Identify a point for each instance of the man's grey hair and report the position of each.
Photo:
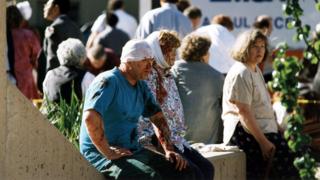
(71, 52)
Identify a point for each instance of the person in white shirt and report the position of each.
(222, 41)
(126, 23)
(248, 118)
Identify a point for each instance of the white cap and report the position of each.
(136, 50)
(25, 9)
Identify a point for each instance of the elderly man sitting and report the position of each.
(113, 104)
(60, 81)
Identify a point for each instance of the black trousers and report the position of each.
(282, 162)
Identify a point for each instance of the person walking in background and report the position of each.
(127, 22)
(26, 48)
(26, 12)
(222, 42)
(200, 89)
(264, 23)
(165, 17)
(248, 117)
(61, 28)
(183, 5)
(194, 14)
(112, 37)
(164, 44)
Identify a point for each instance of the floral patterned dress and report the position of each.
(171, 108)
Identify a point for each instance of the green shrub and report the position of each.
(66, 117)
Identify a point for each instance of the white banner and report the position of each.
(244, 12)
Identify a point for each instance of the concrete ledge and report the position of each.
(228, 165)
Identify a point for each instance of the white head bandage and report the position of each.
(136, 50)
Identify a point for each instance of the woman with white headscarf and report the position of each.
(164, 44)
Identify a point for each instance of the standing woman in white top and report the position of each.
(248, 117)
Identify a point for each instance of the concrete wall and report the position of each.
(30, 147)
(3, 86)
(228, 165)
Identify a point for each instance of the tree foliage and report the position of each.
(285, 82)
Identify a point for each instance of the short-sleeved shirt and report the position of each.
(120, 105)
(246, 86)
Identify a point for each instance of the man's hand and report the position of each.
(117, 152)
(176, 158)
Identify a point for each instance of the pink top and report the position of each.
(26, 50)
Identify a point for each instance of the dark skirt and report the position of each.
(280, 167)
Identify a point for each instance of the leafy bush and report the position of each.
(285, 81)
(66, 117)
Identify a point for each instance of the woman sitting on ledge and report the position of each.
(163, 87)
(249, 120)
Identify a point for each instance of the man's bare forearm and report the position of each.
(162, 131)
(95, 130)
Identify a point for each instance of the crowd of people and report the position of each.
(151, 89)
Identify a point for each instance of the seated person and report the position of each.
(200, 89)
(60, 81)
(113, 104)
(112, 37)
(164, 44)
(249, 120)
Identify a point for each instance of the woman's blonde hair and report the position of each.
(194, 47)
(240, 51)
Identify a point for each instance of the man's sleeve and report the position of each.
(100, 95)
